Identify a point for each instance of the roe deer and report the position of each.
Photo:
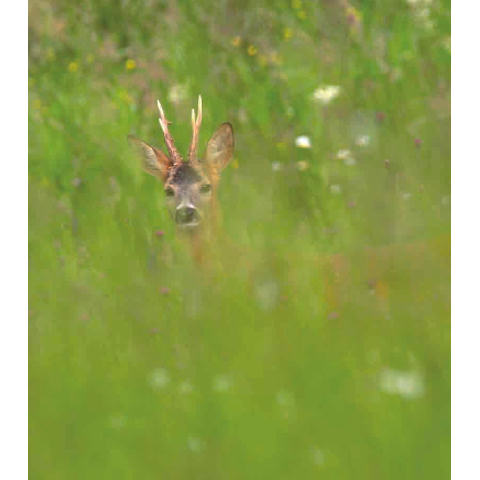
(190, 187)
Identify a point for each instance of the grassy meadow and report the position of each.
(317, 342)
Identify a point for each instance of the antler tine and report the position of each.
(196, 122)
(162, 120)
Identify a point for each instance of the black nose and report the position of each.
(186, 215)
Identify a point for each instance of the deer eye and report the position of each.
(169, 192)
(205, 188)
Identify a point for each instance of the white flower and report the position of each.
(326, 93)
(185, 388)
(222, 383)
(159, 378)
(408, 385)
(276, 166)
(303, 142)
(195, 444)
(346, 156)
(343, 154)
(335, 189)
(362, 140)
(177, 93)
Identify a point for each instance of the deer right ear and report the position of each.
(154, 161)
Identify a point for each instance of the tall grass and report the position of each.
(141, 364)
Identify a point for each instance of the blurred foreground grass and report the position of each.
(143, 366)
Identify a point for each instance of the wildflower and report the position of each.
(262, 60)
(185, 388)
(73, 67)
(234, 163)
(303, 142)
(90, 58)
(276, 166)
(380, 116)
(159, 233)
(76, 182)
(164, 290)
(352, 204)
(335, 189)
(130, 64)
(408, 385)
(275, 58)
(296, 4)
(287, 33)
(326, 93)
(222, 383)
(418, 142)
(236, 41)
(362, 140)
(159, 378)
(177, 93)
(347, 157)
(252, 50)
(302, 14)
(302, 165)
(333, 315)
(195, 444)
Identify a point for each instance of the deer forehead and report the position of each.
(184, 175)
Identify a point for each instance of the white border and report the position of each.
(14, 231)
(465, 240)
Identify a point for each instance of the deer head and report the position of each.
(189, 186)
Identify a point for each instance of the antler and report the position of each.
(196, 122)
(173, 152)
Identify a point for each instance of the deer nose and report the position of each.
(185, 215)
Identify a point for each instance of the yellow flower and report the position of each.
(275, 58)
(262, 60)
(287, 33)
(37, 104)
(296, 4)
(235, 163)
(236, 41)
(73, 67)
(302, 14)
(90, 58)
(130, 64)
(252, 50)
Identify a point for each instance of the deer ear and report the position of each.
(220, 147)
(154, 161)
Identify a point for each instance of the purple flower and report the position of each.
(418, 142)
(159, 233)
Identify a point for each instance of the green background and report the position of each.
(270, 362)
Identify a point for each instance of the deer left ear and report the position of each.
(220, 148)
(154, 161)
